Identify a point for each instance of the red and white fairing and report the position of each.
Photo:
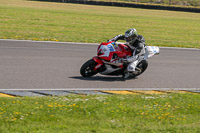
(106, 51)
(111, 52)
(109, 59)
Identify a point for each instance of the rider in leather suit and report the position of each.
(136, 43)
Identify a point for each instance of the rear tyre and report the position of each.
(87, 69)
(142, 66)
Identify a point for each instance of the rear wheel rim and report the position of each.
(89, 70)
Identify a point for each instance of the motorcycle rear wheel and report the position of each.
(87, 69)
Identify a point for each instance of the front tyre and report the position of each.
(142, 66)
(87, 69)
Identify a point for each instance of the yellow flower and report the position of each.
(13, 119)
(50, 106)
(17, 113)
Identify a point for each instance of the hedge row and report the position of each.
(133, 5)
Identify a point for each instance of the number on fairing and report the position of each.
(111, 48)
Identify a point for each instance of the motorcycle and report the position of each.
(109, 60)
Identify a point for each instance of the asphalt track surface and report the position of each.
(51, 65)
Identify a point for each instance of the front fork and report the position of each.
(98, 61)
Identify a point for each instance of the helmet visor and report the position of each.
(131, 38)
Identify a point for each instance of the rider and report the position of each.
(136, 43)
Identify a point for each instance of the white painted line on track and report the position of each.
(80, 43)
(179, 48)
(69, 89)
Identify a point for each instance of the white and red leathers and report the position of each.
(137, 49)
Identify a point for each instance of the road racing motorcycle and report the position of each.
(109, 60)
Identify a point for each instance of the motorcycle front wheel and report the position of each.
(87, 69)
(142, 66)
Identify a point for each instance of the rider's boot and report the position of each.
(130, 71)
(127, 74)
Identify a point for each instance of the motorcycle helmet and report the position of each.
(131, 36)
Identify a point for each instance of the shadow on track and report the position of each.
(102, 78)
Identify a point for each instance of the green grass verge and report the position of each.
(33, 20)
(101, 113)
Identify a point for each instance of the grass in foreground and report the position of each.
(33, 20)
(101, 113)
